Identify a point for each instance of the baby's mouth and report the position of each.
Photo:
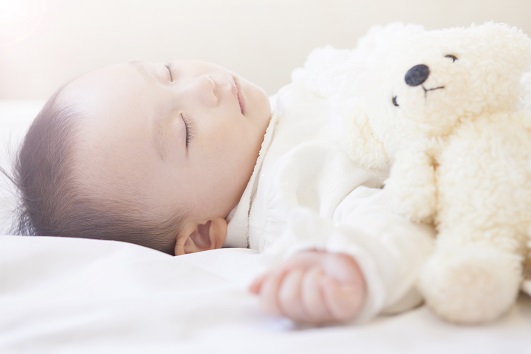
(239, 95)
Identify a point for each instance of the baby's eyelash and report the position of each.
(169, 66)
(188, 128)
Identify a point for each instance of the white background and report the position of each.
(44, 43)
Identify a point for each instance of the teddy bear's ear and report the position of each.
(360, 141)
(328, 70)
(511, 43)
(379, 38)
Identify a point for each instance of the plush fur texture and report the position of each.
(449, 112)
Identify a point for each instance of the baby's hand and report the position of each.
(315, 287)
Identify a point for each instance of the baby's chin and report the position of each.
(257, 103)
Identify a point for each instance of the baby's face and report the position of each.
(184, 137)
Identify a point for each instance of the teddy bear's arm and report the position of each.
(412, 185)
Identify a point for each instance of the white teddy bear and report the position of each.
(447, 111)
(443, 109)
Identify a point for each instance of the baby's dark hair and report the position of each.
(53, 202)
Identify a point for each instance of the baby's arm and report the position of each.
(314, 287)
(386, 250)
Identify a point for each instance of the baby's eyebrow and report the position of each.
(140, 67)
(159, 136)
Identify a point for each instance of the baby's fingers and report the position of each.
(269, 290)
(281, 293)
(312, 297)
(343, 301)
(256, 285)
(290, 296)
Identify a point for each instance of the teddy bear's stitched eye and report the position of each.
(395, 102)
(451, 56)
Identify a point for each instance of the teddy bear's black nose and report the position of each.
(417, 75)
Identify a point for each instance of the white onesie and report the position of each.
(305, 192)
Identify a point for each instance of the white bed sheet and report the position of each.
(62, 295)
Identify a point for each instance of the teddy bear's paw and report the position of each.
(412, 187)
(416, 212)
(417, 207)
(471, 285)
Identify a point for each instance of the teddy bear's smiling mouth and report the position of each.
(431, 89)
(426, 90)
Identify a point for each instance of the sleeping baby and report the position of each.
(188, 156)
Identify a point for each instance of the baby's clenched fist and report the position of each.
(315, 287)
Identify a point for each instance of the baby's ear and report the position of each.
(202, 237)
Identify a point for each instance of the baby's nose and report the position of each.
(210, 81)
(204, 87)
(417, 75)
(205, 82)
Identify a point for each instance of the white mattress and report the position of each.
(65, 295)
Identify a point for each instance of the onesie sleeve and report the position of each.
(388, 248)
